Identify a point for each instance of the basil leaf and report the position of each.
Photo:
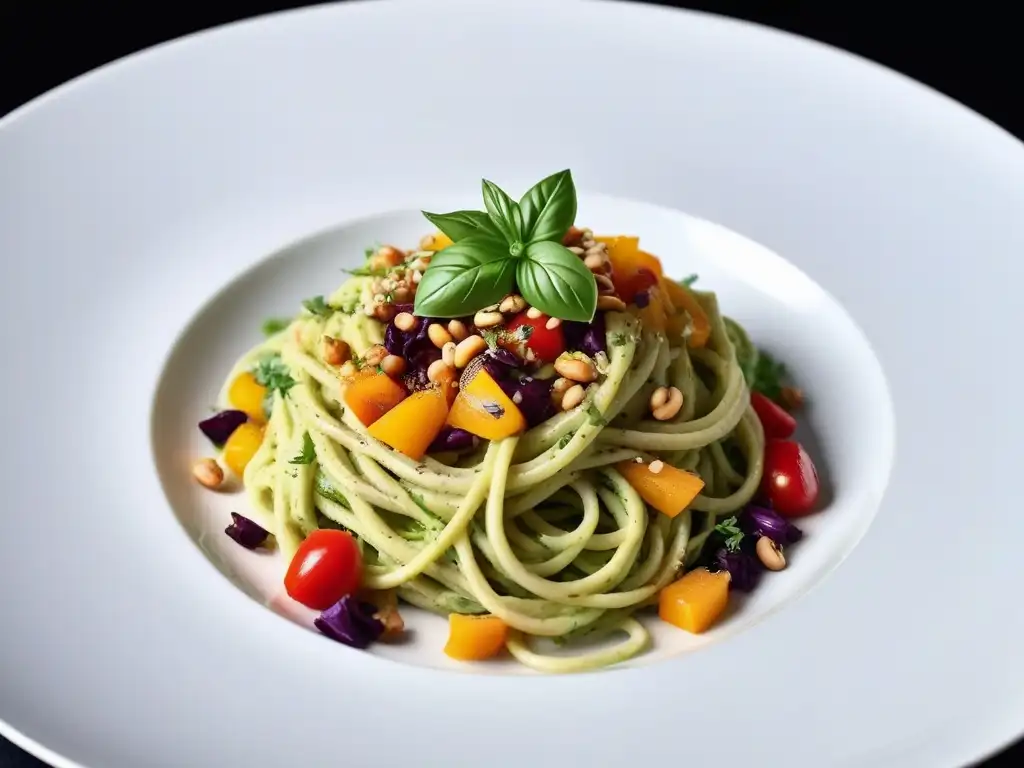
(549, 208)
(465, 277)
(459, 225)
(555, 281)
(504, 212)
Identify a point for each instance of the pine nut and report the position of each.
(458, 330)
(374, 355)
(575, 369)
(336, 351)
(770, 554)
(391, 255)
(384, 312)
(577, 250)
(595, 262)
(573, 397)
(487, 319)
(393, 366)
(559, 388)
(208, 473)
(438, 372)
(534, 314)
(656, 466)
(659, 398)
(552, 323)
(438, 334)
(405, 321)
(402, 294)
(604, 284)
(512, 304)
(467, 349)
(448, 353)
(671, 406)
(348, 370)
(611, 303)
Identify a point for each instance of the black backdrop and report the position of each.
(969, 51)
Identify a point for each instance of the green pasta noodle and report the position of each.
(538, 529)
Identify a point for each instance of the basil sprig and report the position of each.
(511, 244)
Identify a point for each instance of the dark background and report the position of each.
(968, 51)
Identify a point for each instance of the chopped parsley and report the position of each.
(620, 340)
(317, 306)
(595, 416)
(367, 272)
(765, 375)
(491, 337)
(566, 439)
(274, 325)
(733, 535)
(308, 451)
(688, 280)
(272, 373)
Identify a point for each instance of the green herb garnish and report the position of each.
(566, 439)
(733, 535)
(272, 373)
(620, 340)
(317, 306)
(491, 337)
(274, 325)
(765, 375)
(595, 416)
(511, 244)
(308, 451)
(688, 280)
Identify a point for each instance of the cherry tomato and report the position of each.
(790, 480)
(775, 420)
(547, 344)
(326, 567)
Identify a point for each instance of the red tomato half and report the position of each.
(326, 567)
(776, 422)
(547, 344)
(790, 480)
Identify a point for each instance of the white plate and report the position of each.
(131, 198)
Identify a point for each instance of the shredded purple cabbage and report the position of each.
(407, 343)
(220, 426)
(350, 621)
(246, 532)
(531, 396)
(762, 521)
(499, 361)
(744, 568)
(452, 439)
(586, 337)
(415, 346)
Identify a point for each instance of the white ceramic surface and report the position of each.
(129, 198)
